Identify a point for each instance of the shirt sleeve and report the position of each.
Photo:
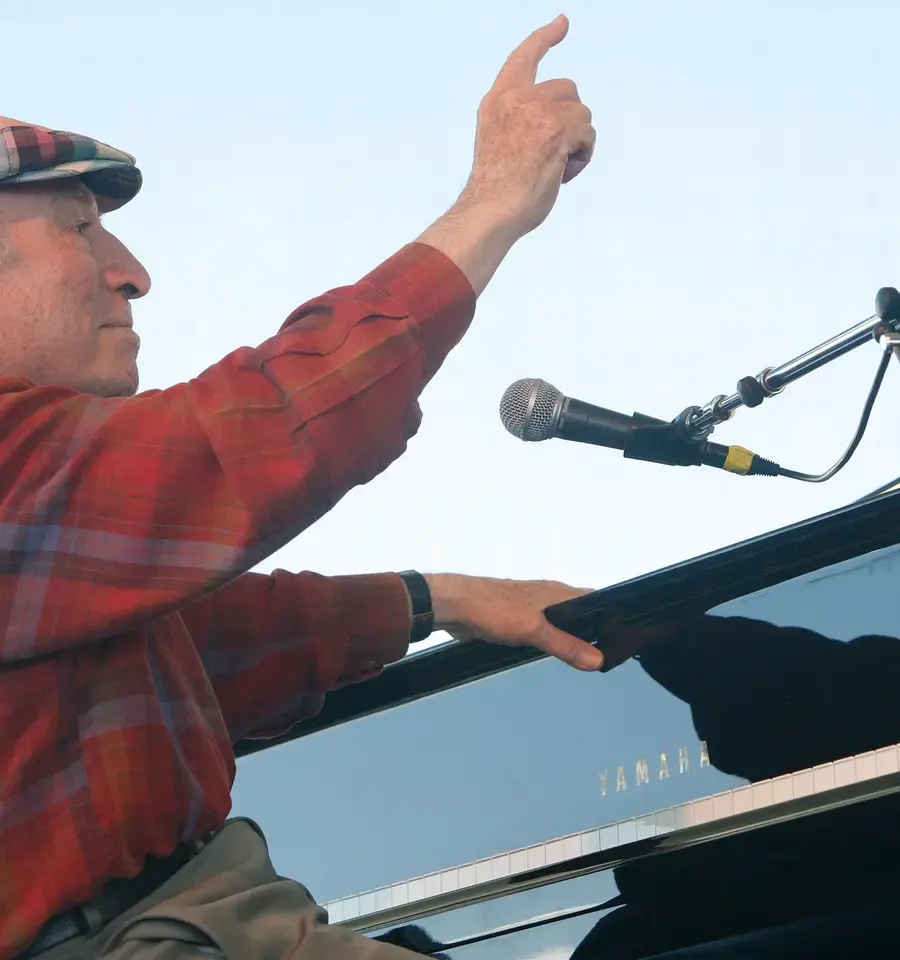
(274, 645)
(115, 512)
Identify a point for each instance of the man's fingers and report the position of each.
(560, 88)
(577, 653)
(522, 64)
(580, 156)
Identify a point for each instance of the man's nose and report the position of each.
(124, 273)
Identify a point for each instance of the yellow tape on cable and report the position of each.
(738, 460)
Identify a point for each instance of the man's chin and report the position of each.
(115, 386)
(128, 389)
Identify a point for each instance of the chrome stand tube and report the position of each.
(699, 422)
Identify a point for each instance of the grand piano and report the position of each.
(731, 782)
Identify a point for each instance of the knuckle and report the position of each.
(559, 89)
(578, 115)
(487, 104)
(569, 88)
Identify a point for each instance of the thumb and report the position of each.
(568, 648)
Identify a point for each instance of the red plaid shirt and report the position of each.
(135, 649)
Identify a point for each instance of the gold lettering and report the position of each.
(642, 769)
(641, 772)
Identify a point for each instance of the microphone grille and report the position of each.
(528, 407)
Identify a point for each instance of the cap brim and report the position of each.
(32, 154)
(112, 183)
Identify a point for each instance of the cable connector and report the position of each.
(761, 467)
(739, 460)
(746, 463)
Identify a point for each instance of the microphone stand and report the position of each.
(684, 441)
(883, 325)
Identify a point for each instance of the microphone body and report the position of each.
(533, 410)
(585, 423)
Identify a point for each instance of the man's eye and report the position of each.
(81, 226)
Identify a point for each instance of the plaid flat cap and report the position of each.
(29, 154)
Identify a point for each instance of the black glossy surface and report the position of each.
(786, 879)
(535, 752)
(691, 587)
(777, 681)
(843, 860)
(822, 886)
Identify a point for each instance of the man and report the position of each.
(136, 649)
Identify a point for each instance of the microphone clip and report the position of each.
(674, 445)
(656, 441)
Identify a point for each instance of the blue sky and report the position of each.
(740, 209)
(742, 206)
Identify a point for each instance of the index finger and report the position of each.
(570, 649)
(522, 64)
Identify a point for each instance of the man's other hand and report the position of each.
(531, 137)
(508, 612)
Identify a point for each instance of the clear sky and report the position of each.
(742, 207)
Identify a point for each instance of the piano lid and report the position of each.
(792, 672)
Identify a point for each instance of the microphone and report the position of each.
(533, 410)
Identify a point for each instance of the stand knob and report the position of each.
(887, 305)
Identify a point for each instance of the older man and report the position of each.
(135, 647)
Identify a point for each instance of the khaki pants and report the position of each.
(227, 902)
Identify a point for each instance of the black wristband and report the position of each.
(420, 599)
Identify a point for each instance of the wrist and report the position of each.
(496, 213)
(448, 592)
(421, 610)
(476, 233)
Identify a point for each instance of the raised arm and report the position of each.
(115, 512)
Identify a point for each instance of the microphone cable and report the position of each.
(857, 437)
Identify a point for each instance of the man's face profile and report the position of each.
(66, 286)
